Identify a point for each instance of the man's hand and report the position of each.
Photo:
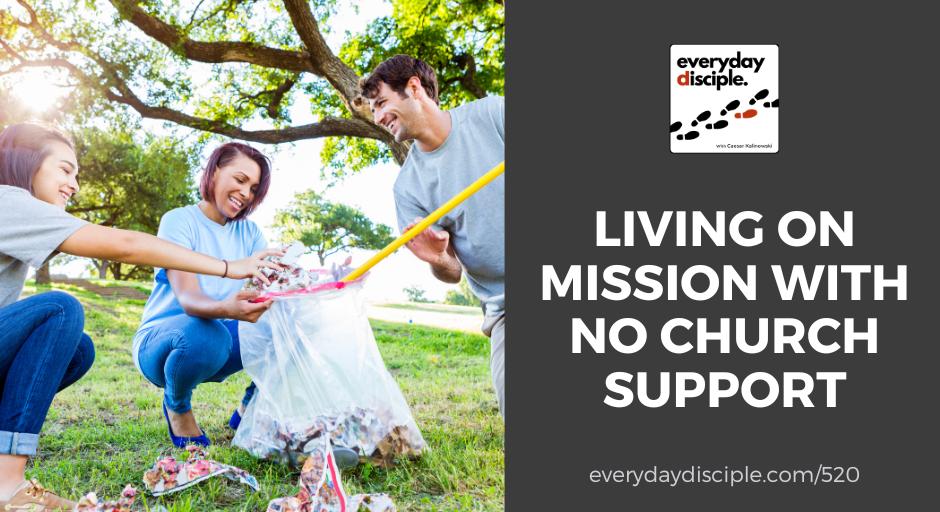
(240, 307)
(429, 246)
(434, 248)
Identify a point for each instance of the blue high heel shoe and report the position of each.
(181, 442)
(235, 420)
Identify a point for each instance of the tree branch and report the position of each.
(335, 71)
(36, 27)
(115, 89)
(41, 63)
(326, 127)
(320, 60)
(195, 11)
(278, 96)
(213, 52)
(468, 80)
(13, 53)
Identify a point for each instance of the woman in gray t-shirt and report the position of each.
(43, 348)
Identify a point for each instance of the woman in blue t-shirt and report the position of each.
(189, 331)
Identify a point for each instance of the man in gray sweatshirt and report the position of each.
(450, 150)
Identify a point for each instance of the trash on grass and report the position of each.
(321, 489)
(169, 475)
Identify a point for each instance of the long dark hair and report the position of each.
(225, 154)
(23, 147)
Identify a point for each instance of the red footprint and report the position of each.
(747, 114)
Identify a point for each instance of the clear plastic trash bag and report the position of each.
(318, 369)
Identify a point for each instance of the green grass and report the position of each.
(141, 286)
(434, 308)
(107, 429)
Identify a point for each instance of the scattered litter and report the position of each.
(168, 475)
(321, 489)
(365, 431)
(91, 503)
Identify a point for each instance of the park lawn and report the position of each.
(107, 429)
(434, 308)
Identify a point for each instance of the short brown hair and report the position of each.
(23, 147)
(225, 154)
(396, 72)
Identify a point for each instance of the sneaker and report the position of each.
(32, 497)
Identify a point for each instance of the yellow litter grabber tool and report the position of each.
(427, 221)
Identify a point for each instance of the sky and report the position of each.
(296, 167)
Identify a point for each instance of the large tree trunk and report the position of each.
(116, 271)
(102, 266)
(43, 274)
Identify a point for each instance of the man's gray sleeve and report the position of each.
(498, 111)
(32, 230)
(407, 209)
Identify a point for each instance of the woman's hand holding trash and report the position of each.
(240, 307)
(252, 265)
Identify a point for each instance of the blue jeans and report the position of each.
(42, 351)
(184, 351)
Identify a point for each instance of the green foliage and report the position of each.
(127, 180)
(129, 184)
(462, 40)
(327, 228)
(453, 37)
(344, 155)
(445, 34)
(415, 294)
(462, 296)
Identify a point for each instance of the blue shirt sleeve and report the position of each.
(258, 243)
(176, 228)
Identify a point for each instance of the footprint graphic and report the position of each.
(761, 94)
(674, 127)
(749, 113)
(731, 106)
(689, 136)
(772, 104)
(701, 117)
(717, 126)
